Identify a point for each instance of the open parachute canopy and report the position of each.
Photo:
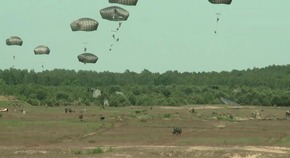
(14, 40)
(87, 58)
(114, 13)
(41, 49)
(220, 1)
(124, 2)
(84, 24)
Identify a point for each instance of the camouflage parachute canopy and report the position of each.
(114, 13)
(41, 49)
(87, 58)
(84, 24)
(14, 40)
(220, 1)
(124, 2)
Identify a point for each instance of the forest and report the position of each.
(268, 86)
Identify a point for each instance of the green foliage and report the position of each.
(167, 115)
(223, 116)
(266, 86)
(78, 152)
(96, 150)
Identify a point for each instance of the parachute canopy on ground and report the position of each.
(84, 24)
(220, 1)
(228, 102)
(87, 58)
(14, 40)
(124, 2)
(41, 49)
(114, 13)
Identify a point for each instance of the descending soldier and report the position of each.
(216, 2)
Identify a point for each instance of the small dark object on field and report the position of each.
(102, 117)
(176, 131)
(192, 110)
(81, 117)
(68, 110)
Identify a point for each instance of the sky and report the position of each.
(159, 35)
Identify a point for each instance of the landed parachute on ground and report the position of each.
(41, 49)
(84, 24)
(124, 2)
(87, 58)
(228, 102)
(114, 13)
(220, 1)
(14, 40)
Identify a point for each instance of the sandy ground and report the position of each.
(143, 151)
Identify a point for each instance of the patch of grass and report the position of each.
(285, 141)
(203, 117)
(141, 111)
(110, 149)
(223, 116)
(96, 150)
(78, 152)
(167, 115)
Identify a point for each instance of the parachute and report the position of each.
(228, 2)
(84, 24)
(14, 40)
(114, 13)
(96, 93)
(228, 102)
(87, 58)
(41, 49)
(124, 2)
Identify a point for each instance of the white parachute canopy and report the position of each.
(228, 102)
(119, 93)
(97, 93)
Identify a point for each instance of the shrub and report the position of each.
(167, 115)
(97, 150)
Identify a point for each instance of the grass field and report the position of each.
(211, 131)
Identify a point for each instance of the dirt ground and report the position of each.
(131, 132)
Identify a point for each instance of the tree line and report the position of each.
(258, 86)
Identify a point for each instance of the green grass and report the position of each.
(96, 150)
(49, 125)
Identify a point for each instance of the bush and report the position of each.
(97, 150)
(167, 115)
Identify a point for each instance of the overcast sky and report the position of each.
(159, 35)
